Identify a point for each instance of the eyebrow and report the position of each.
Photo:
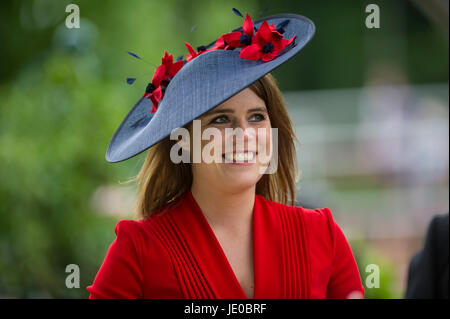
(255, 109)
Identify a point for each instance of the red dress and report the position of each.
(298, 253)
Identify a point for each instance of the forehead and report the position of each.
(245, 99)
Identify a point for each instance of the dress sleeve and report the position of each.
(120, 275)
(345, 280)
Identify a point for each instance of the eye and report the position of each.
(220, 119)
(258, 117)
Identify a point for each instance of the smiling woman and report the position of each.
(224, 228)
(161, 181)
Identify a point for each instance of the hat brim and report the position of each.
(202, 84)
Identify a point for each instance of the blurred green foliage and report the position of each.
(389, 285)
(63, 94)
(53, 133)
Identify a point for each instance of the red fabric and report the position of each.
(298, 253)
(266, 34)
(234, 38)
(192, 54)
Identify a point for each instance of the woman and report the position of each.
(223, 226)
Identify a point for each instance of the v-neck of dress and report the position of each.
(210, 233)
(202, 268)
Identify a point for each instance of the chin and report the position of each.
(241, 180)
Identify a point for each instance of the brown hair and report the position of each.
(161, 182)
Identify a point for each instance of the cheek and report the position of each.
(264, 136)
(213, 145)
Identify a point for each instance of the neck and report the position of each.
(225, 209)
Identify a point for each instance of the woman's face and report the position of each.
(237, 135)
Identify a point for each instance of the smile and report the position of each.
(240, 157)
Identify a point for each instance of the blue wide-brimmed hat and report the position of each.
(182, 91)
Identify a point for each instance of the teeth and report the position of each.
(240, 157)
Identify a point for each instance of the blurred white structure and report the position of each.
(392, 142)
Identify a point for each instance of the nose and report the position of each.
(242, 122)
(242, 128)
(244, 134)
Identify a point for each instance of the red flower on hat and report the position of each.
(156, 96)
(161, 78)
(227, 41)
(266, 44)
(192, 53)
(241, 39)
(220, 44)
(166, 70)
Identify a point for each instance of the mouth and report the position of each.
(245, 157)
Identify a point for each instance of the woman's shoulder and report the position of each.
(131, 230)
(318, 219)
(140, 237)
(313, 214)
(144, 228)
